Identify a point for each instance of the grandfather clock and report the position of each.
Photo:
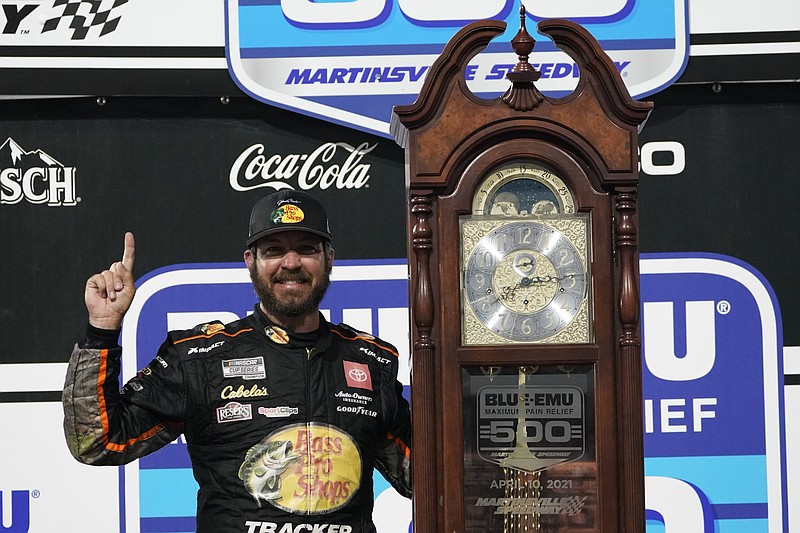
(523, 252)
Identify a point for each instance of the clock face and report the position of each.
(524, 280)
(522, 188)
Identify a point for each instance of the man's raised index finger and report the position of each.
(130, 252)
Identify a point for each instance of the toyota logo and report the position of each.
(358, 375)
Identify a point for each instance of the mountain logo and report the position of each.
(35, 177)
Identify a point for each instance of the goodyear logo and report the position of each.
(369, 55)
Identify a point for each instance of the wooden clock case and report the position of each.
(452, 140)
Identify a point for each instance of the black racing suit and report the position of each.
(283, 429)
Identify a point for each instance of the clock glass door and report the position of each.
(529, 450)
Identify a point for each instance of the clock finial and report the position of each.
(523, 44)
(522, 95)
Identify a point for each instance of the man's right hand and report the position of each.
(109, 294)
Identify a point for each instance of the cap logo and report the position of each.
(287, 214)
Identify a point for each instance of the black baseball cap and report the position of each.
(288, 210)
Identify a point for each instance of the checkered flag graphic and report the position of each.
(84, 15)
(574, 505)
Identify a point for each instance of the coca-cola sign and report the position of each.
(331, 165)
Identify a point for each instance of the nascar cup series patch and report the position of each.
(247, 368)
(351, 61)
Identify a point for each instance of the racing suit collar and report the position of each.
(319, 339)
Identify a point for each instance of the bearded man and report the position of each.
(285, 415)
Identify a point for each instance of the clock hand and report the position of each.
(545, 279)
(509, 291)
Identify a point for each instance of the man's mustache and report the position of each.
(297, 277)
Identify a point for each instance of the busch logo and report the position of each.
(252, 169)
(35, 177)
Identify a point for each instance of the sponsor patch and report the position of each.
(210, 329)
(357, 375)
(229, 393)
(307, 468)
(287, 214)
(234, 412)
(357, 410)
(275, 527)
(204, 349)
(248, 368)
(381, 360)
(365, 335)
(278, 412)
(353, 397)
(277, 335)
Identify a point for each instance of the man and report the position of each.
(285, 415)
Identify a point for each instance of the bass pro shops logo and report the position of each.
(35, 177)
(79, 17)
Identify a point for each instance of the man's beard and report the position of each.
(295, 307)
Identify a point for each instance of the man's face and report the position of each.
(290, 273)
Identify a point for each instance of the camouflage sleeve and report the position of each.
(100, 426)
(393, 461)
